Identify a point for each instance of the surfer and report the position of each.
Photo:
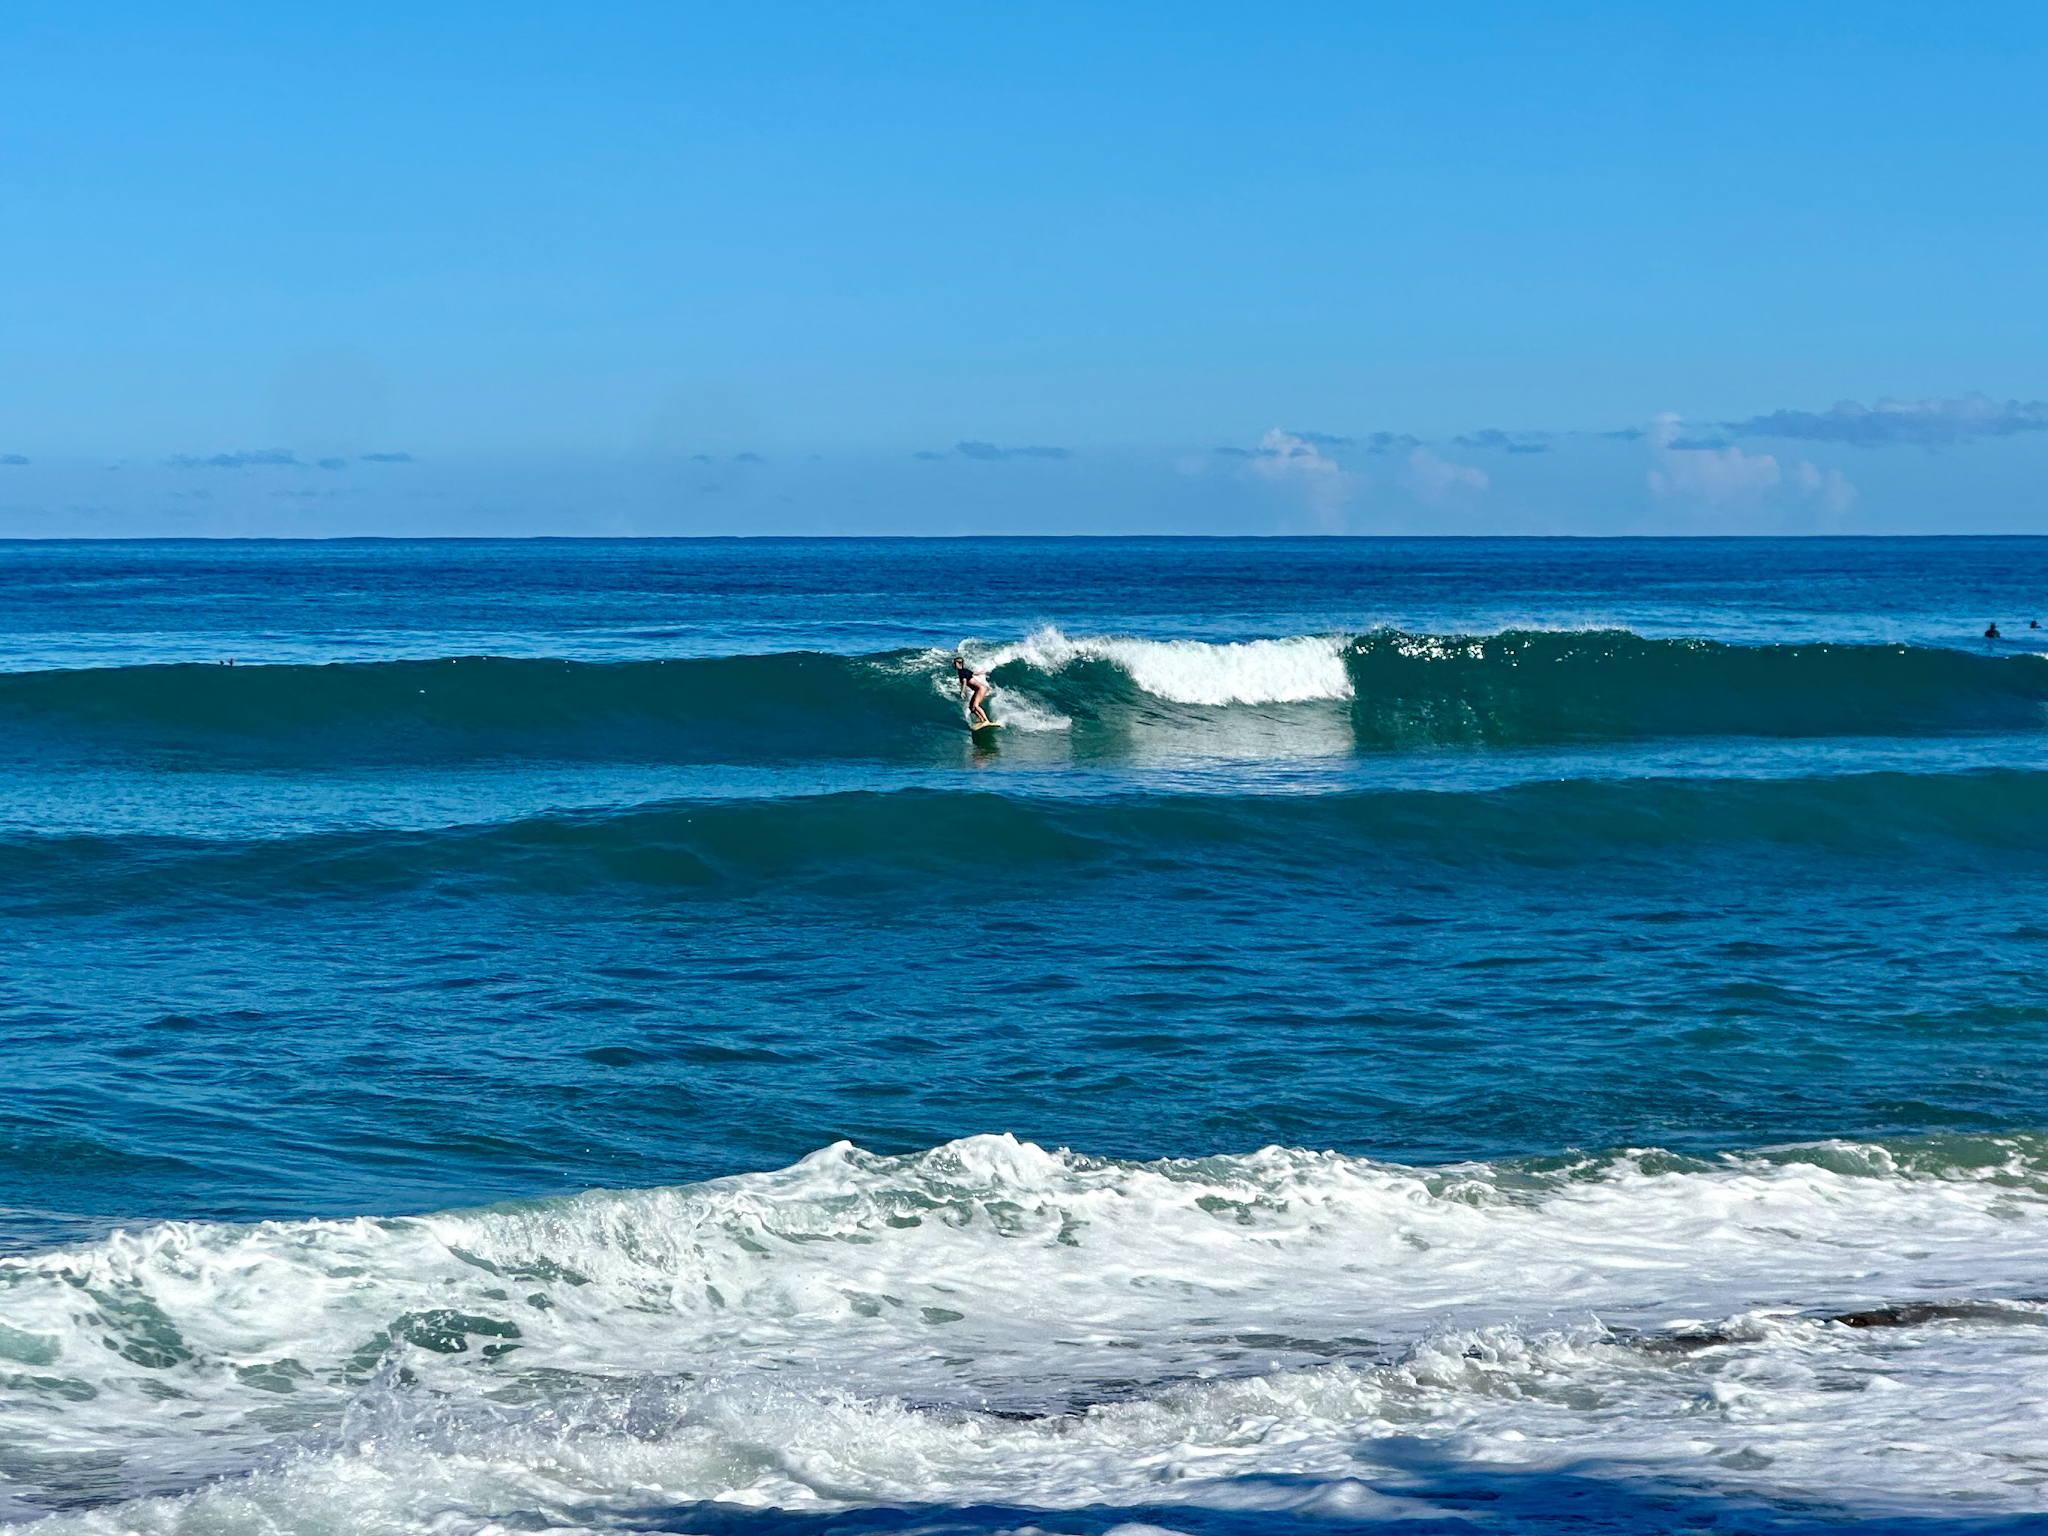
(1991, 633)
(974, 689)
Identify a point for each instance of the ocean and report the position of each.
(1494, 1035)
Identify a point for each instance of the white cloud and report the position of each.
(1830, 487)
(1711, 474)
(1289, 459)
(1441, 483)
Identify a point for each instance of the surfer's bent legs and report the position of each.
(973, 688)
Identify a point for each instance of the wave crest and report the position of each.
(1536, 686)
(1292, 670)
(1379, 691)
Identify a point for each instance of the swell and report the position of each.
(715, 709)
(854, 844)
(1539, 686)
(1394, 690)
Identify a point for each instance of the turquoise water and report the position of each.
(1385, 1018)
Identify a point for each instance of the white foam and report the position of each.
(1005, 706)
(1547, 1423)
(764, 1339)
(1293, 670)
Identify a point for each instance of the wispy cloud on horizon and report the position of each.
(1370, 442)
(254, 457)
(991, 453)
(273, 458)
(1706, 470)
(1926, 423)
(1391, 442)
(1298, 462)
(1507, 442)
(970, 449)
(1715, 472)
(1439, 482)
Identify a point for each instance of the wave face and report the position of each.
(1529, 686)
(1387, 689)
(707, 709)
(1526, 686)
(992, 1325)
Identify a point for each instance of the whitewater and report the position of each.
(1521, 1036)
(991, 1323)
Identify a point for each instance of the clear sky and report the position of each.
(773, 267)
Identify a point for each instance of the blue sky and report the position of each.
(576, 261)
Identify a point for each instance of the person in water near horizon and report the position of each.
(1991, 631)
(974, 689)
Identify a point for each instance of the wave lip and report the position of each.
(1292, 670)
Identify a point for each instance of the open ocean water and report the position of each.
(1496, 1035)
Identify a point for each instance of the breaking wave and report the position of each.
(990, 1325)
(1387, 689)
(1288, 671)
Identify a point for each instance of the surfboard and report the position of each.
(982, 730)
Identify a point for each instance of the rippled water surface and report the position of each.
(1545, 1033)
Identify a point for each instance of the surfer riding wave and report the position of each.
(974, 690)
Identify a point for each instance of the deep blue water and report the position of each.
(507, 870)
(329, 932)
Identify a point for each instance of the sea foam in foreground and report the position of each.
(992, 1326)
